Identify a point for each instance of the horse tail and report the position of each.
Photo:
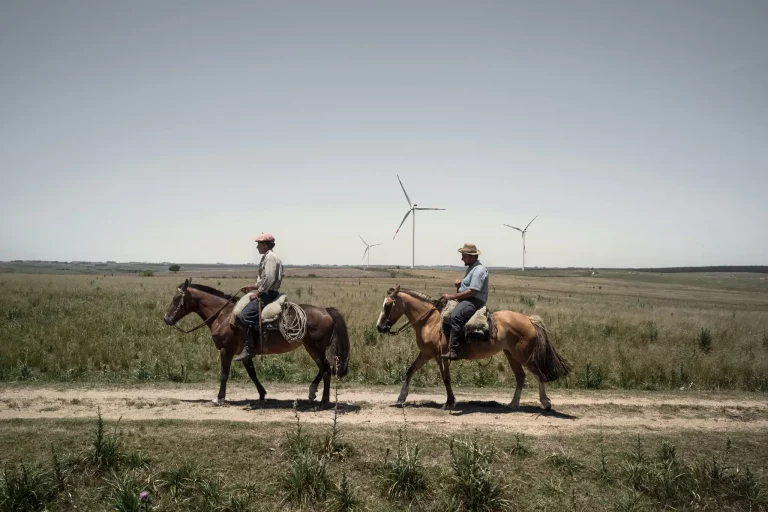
(337, 353)
(544, 361)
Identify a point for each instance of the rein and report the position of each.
(410, 324)
(205, 322)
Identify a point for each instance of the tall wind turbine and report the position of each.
(413, 210)
(367, 250)
(523, 232)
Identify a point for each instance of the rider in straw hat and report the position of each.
(472, 295)
(265, 290)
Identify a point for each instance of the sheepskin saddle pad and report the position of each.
(478, 327)
(269, 315)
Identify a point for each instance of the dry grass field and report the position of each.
(665, 409)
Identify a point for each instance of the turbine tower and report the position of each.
(413, 209)
(367, 250)
(523, 232)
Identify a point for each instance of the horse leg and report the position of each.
(248, 363)
(517, 368)
(543, 398)
(421, 359)
(445, 372)
(315, 383)
(326, 384)
(226, 364)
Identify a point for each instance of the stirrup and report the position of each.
(242, 356)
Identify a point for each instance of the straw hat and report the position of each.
(470, 249)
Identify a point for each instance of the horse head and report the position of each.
(391, 310)
(180, 303)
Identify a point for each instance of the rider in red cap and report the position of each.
(270, 276)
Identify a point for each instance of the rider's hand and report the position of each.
(457, 283)
(245, 289)
(447, 296)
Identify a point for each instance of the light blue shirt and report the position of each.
(476, 279)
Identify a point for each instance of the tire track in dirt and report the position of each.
(574, 413)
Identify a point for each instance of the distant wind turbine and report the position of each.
(367, 251)
(523, 232)
(413, 209)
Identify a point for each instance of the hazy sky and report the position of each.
(177, 131)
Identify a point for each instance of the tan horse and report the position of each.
(326, 341)
(524, 340)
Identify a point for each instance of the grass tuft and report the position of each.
(474, 485)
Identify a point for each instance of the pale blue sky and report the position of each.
(177, 131)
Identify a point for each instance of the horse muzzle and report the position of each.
(383, 328)
(168, 320)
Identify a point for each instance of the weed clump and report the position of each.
(404, 473)
(474, 484)
(704, 340)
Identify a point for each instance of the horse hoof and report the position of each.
(400, 403)
(218, 401)
(263, 398)
(448, 406)
(548, 407)
(326, 405)
(513, 406)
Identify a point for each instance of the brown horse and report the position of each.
(326, 340)
(524, 340)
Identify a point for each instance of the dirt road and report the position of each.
(574, 412)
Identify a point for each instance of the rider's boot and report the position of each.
(248, 350)
(453, 347)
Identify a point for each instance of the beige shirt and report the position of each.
(270, 273)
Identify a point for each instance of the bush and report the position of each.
(174, 268)
(147, 273)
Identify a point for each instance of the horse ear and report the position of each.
(186, 283)
(397, 290)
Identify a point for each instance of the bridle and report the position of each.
(204, 322)
(390, 332)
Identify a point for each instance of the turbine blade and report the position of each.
(429, 208)
(404, 192)
(533, 219)
(364, 253)
(361, 238)
(513, 227)
(374, 245)
(401, 224)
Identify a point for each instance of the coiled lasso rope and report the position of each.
(296, 328)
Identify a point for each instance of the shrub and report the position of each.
(147, 273)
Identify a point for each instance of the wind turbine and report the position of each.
(367, 250)
(523, 232)
(413, 209)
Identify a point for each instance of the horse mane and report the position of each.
(212, 291)
(438, 303)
